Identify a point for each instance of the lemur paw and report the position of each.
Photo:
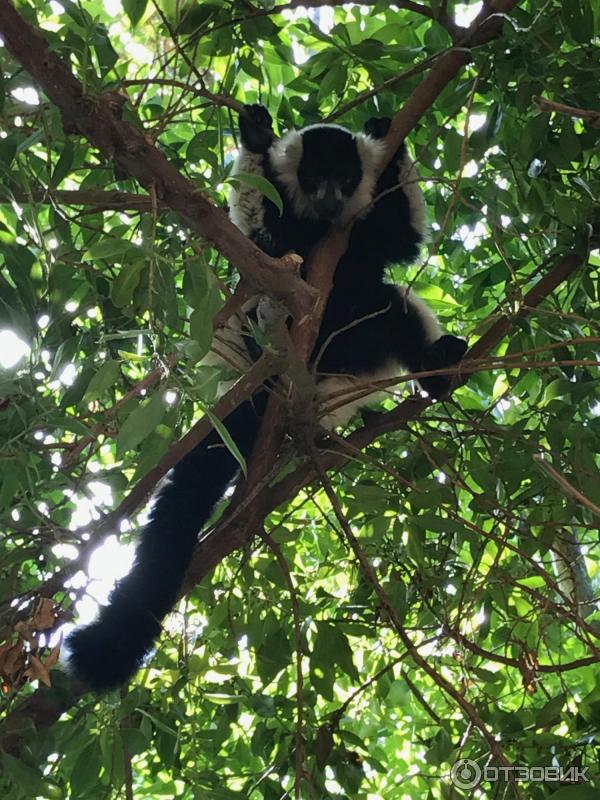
(447, 351)
(377, 127)
(256, 128)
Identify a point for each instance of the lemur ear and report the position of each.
(377, 127)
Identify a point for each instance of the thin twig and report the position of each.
(565, 485)
(590, 115)
(283, 565)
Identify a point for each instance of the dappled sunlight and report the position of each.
(12, 349)
(419, 585)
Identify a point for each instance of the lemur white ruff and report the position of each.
(326, 176)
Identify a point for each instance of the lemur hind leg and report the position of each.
(420, 343)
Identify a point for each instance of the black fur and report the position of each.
(111, 649)
(256, 128)
(385, 236)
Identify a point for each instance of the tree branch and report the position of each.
(567, 487)
(589, 115)
(422, 662)
(96, 198)
(200, 91)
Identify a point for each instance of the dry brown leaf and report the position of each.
(37, 670)
(4, 648)
(44, 616)
(25, 631)
(14, 660)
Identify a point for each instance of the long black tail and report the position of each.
(111, 649)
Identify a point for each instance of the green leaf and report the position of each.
(441, 749)
(332, 648)
(105, 52)
(63, 165)
(334, 80)
(26, 777)
(452, 147)
(227, 439)
(30, 141)
(263, 705)
(550, 713)
(262, 185)
(134, 740)
(273, 654)
(103, 379)
(8, 149)
(141, 422)
(201, 329)
(111, 247)
(85, 770)
(579, 19)
(125, 284)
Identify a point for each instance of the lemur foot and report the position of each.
(256, 128)
(377, 127)
(447, 351)
(370, 415)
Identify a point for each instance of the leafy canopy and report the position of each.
(488, 558)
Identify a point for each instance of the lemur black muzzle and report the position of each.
(330, 205)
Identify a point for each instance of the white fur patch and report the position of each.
(286, 154)
(341, 396)
(428, 318)
(246, 208)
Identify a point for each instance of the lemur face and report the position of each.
(328, 172)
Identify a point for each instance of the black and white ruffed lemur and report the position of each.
(371, 330)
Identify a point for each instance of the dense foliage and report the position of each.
(283, 673)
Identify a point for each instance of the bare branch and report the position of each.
(589, 115)
(199, 91)
(566, 485)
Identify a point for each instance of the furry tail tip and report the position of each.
(104, 656)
